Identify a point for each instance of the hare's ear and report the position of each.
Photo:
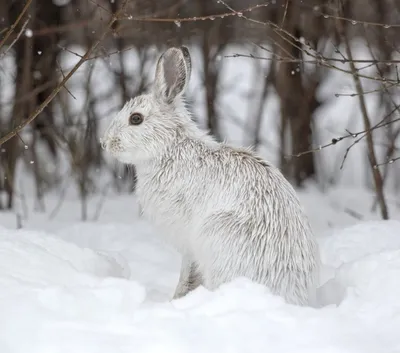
(172, 73)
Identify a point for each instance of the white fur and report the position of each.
(227, 211)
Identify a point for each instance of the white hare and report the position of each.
(227, 211)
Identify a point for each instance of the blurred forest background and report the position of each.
(320, 86)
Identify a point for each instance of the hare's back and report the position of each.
(246, 172)
(228, 177)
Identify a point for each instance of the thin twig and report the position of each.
(62, 73)
(196, 19)
(352, 20)
(319, 61)
(285, 13)
(389, 161)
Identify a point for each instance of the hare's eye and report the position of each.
(136, 119)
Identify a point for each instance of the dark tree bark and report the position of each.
(213, 41)
(45, 52)
(24, 59)
(297, 101)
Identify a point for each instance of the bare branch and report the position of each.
(389, 161)
(15, 39)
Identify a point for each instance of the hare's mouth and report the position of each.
(112, 145)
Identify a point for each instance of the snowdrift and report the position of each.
(106, 288)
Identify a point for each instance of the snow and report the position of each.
(61, 2)
(105, 286)
(28, 33)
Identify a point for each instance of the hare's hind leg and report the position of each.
(189, 279)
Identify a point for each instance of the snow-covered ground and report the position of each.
(104, 286)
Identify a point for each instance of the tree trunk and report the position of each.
(297, 103)
(36, 65)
